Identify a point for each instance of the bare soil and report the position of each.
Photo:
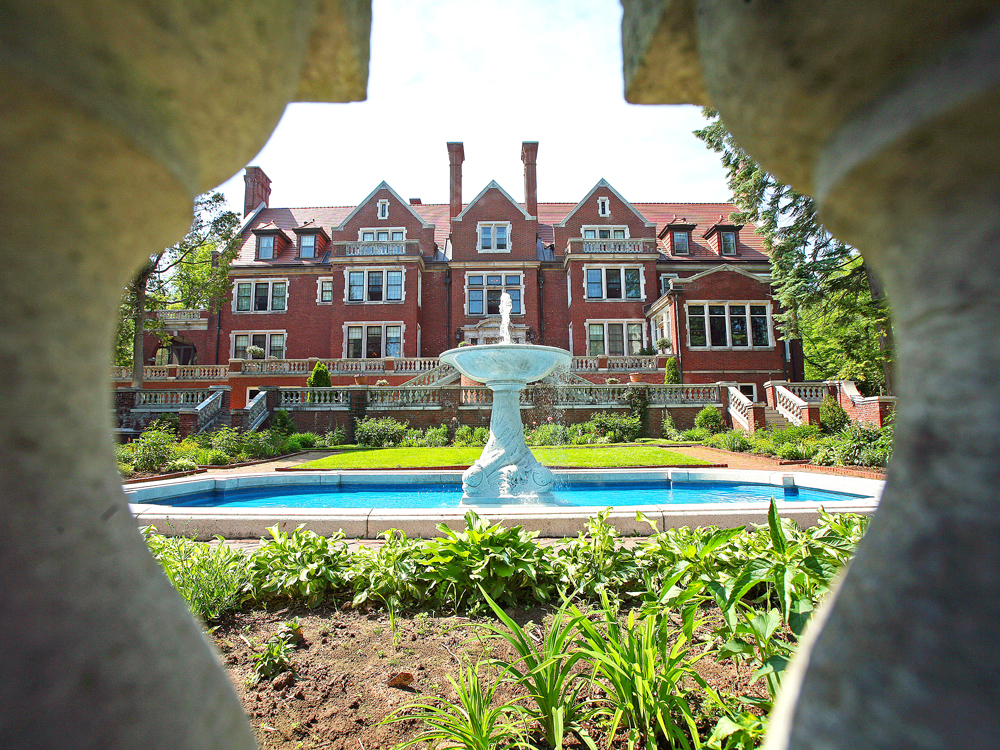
(338, 690)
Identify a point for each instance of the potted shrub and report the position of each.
(635, 377)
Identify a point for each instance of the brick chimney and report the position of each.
(456, 155)
(529, 153)
(257, 191)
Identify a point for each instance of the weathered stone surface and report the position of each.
(115, 115)
(890, 114)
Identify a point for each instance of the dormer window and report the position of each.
(265, 247)
(681, 242)
(494, 237)
(727, 242)
(383, 208)
(603, 207)
(307, 245)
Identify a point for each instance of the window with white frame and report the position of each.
(727, 241)
(383, 208)
(324, 290)
(729, 325)
(272, 343)
(665, 281)
(373, 340)
(494, 237)
(605, 233)
(393, 234)
(483, 292)
(614, 337)
(614, 282)
(603, 207)
(681, 242)
(307, 245)
(374, 285)
(263, 295)
(265, 247)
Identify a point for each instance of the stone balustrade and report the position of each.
(314, 398)
(417, 364)
(404, 398)
(256, 411)
(740, 409)
(395, 247)
(632, 246)
(170, 399)
(180, 316)
(676, 395)
(632, 363)
(809, 391)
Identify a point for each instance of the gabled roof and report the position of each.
(494, 184)
(382, 186)
(724, 267)
(602, 183)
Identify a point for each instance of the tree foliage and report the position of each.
(184, 275)
(827, 294)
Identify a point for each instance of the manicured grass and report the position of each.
(428, 458)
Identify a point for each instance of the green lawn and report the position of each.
(604, 456)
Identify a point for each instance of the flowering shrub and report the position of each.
(384, 432)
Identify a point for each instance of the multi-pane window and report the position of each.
(728, 242)
(265, 247)
(272, 344)
(494, 237)
(614, 282)
(383, 235)
(325, 291)
(261, 296)
(605, 233)
(374, 341)
(307, 245)
(603, 207)
(485, 290)
(682, 244)
(375, 285)
(728, 325)
(614, 338)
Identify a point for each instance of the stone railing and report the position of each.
(789, 405)
(256, 411)
(476, 396)
(683, 395)
(809, 391)
(179, 316)
(316, 398)
(580, 245)
(208, 409)
(430, 377)
(584, 364)
(632, 362)
(585, 395)
(356, 366)
(394, 247)
(740, 408)
(418, 364)
(404, 398)
(202, 372)
(277, 366)
(173, 399)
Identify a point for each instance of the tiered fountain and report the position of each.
(506, 472)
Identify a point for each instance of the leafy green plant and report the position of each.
(614, 428)
(180, 464)
(832, 416)
(645, 669)
(731, 440)
(319, 377)
(274, 659)
(336, 436)
(548, 672)
(755, 639)
(742, 731)
(475, 723)
(153, 448)
(282, 422)
(300, 565)
(212, 580)
(696, 434)
(595, 562)
(506, 563)
(435, 437)
(667, 428)
(390, 574)
(710, 418)
(379, 432)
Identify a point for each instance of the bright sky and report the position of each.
(490, 74)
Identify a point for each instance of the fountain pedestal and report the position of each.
(506, 472)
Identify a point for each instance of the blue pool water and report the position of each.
(391, 496)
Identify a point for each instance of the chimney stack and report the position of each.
(456, 155)
(257, 191)
(529, 153)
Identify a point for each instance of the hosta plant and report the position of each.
(300, 565)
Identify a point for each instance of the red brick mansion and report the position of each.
(378, 290)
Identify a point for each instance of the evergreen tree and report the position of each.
(828, 296)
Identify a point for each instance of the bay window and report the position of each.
(738, 325)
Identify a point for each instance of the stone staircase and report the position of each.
(441, 375)
(773, 418)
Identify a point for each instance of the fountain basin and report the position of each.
(514, 363)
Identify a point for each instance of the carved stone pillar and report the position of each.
(889, 113)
